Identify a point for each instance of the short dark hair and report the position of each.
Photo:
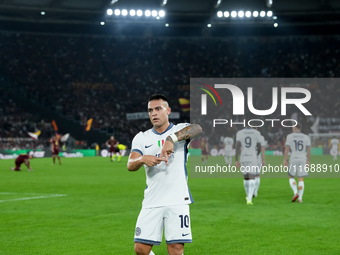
(299, 126)
(157, 97)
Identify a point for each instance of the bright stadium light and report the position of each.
(147, 13)
(109, 12)
(274, 17)
(209, 25)
(43, 13)
(262, 14)
(102, 23)
(167, 24)
(139, 13)
(132, 12)
(226, 14)
(248, 14)
(161, 13)
(241, 14)
(154, 13)
(157, 17)
(117, 12)
(124, 12)
(219, 14)
(276, 24)
(233, 14)
(269, 13)
(255, 14)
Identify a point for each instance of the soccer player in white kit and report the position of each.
(335, 148)
(228, 143)
(248, 144)
(297, 143)
(163, 152)
(261, 161)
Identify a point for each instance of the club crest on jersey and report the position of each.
(160, 143)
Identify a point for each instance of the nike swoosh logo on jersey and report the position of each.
(147, 146)
(185, 234)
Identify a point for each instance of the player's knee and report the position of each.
(294, 183)
(142, 249)
(175, 249)
(300, 187)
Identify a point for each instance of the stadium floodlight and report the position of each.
(117, 12)
(132, 12)
(147, 13)
(167, 24)
(157, 17)
(43, 13)
(154, 13)
(226, 14)
(274, 17)
(164, 2)
(124, 12)
(102, 23)
(276, 24)
(269, 13)
(109, 12)
(219, 14)
(241, 14)
(139, 13)
(248, 14)
(255, 14)
(262, 14)
(161, 13)
(233, 14)
(209, 25)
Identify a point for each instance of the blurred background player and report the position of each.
(112, 143)
(261, 162)
(335, 148)
(248, 144)
(297, 143)
(204, 148)
(23, 158)
(228, 143)
(55, 143)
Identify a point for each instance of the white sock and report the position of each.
(301, 184)
(251, 189)
(246, 186)
(257, 185)
(226, 160)
(293, 186)
(151, 253)
(230, 160)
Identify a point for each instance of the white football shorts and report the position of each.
(174, 219)
(250, 168)
(298, 168)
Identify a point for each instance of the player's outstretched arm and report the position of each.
(263, 153)
(237, 154)
(136, 161)
(285, 156)
(308, 155)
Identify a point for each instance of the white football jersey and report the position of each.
(335, 144)
(248, 137)
(298, 143)
(263, 144)
(228, 141)
(166, 184)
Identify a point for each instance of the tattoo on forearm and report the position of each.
(169, 139)
(189, 132)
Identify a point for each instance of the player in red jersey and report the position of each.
(204, 148)
(22, 158)
(55, 142)
(113, 144)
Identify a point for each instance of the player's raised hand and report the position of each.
(167, 149)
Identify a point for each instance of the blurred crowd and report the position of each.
(104, 78)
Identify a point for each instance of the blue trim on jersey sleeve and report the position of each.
(145, 241)
(185, 168)
(169, 127)
(179, 241)
(138, 151)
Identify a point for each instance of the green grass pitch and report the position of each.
(102, 200)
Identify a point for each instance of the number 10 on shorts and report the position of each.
(184, 221)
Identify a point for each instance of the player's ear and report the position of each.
(168, 110)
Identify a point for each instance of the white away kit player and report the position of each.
(248, 144)
(335, 148)
(228, 143)
(297, 143)
(163, 152)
